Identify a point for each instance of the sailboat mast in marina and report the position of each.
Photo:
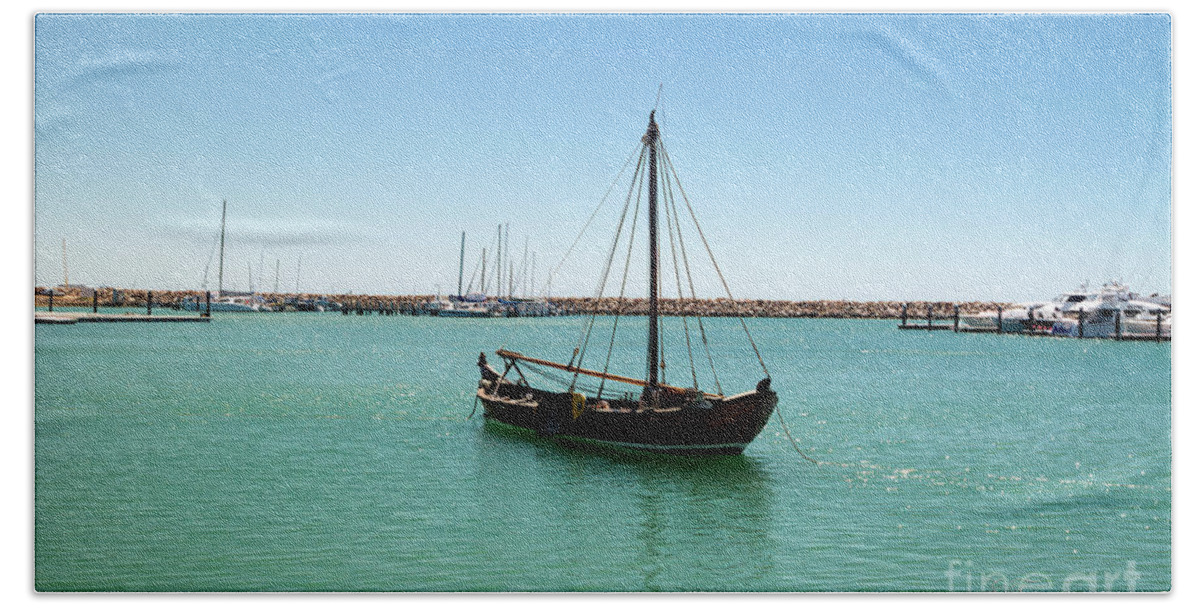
(221, 258)
(223, 302)
(462, 252)
(661, 418)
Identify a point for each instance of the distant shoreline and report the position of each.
(107, 297)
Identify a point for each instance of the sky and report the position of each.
(868, 157)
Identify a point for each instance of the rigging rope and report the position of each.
(582, 347)
(550, 277)
(211, 253)
(474, 272)
(672, 234)
(624, 280)
(728, 292)
(662, 353)
(692, 288)
(713, 258)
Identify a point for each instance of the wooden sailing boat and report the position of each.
(662, 418)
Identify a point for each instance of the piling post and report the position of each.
(999, 319)
(51, 300)
(1117, 325)
(929, 315)
(1080, 324)
(956, 318)
(95, 301)
(149, 301)
(1158, 326)
(207, 303)
(904, 314)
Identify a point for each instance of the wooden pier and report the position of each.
(930, 322)
(71, 318)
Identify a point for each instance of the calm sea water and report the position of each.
(323, 452)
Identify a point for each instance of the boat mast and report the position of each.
(221, 260)
(525, 267)
(462, 250)
(650, 139)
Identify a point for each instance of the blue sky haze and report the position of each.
(898, 156)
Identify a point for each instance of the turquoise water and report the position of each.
(323, 452)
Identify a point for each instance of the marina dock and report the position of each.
(71, 318)
(1028, 327)
(929, 323)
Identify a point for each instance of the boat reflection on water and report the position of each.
(662, 522)
(722, 506)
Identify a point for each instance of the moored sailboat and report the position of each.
(222, 300)
(661, 418)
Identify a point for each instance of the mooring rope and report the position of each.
(474, 407)
(788, 432)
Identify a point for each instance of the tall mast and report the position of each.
(650, 139)
(462, 250)
(525, 268)
(221, 262)
(499, 256)
(483, 274)
(66, 277)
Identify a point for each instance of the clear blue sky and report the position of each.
(829, 156)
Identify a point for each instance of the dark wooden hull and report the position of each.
(678, 425)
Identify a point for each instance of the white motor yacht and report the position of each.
(1114, 308)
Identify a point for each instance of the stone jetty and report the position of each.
(77, 296)
(817, 309)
